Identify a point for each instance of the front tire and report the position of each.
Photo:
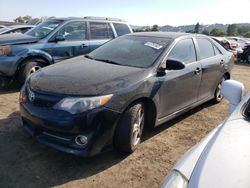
(29, 67)
(129, 129)
(248, 57)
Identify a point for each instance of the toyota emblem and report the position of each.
(31, 96)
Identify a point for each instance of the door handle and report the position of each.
(197, 71)
(83, 45)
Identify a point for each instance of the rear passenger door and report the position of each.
(75, 42)
(179, 88)
(99, 33)
(211, 60)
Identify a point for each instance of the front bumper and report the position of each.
(8, 65)
(58, 129)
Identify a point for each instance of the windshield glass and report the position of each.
(4, 29)
(136, 51)
(44, 29)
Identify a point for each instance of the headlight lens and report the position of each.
(4, 50)
(76, 105)
(175, 180)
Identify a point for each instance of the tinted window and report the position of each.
(74, 31)
(183, 51)
(121, 29)
(206, 48)
(136, 51)
(100, 30)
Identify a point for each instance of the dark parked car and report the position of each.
(16, 29)
(54, 40)
(245, 56)
(86, 105)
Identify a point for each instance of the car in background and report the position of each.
(16, 29)
(245, 56)
(242, 42)
(92, 103)
(229, 45)
(222, 158)
(52, 41)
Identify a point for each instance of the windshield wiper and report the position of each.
(108, 61)
(87, 56)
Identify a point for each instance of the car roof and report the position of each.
(172, 35)
(88, 18)
(20, 26)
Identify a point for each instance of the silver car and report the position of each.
(222, 158)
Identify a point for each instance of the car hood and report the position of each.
(225, 161)
(82, 76)
(16, 38)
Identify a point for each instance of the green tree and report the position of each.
(190, 31)
(23, 19)
(197, 28)
(155, 28)
(232, 30)
(247, 34)
(218, 32)
(205, 32)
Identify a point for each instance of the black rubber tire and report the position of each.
(247, 56)
(217, 99)
(25, 69)
(123, 138)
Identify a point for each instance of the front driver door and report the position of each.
(75, 42)
(179, 88)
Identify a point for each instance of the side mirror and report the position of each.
(172, 64)
(59, 38)
(233, 91)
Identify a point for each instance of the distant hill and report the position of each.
(185, 28)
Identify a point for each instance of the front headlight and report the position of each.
(175, 180)
(76, 105)
(4, 50)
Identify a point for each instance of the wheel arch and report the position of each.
(43, 59)
(151, 110)
(227, 75)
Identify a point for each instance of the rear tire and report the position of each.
(217, 94)
(29, 67)
(129, 129)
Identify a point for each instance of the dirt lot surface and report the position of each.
(26, 163)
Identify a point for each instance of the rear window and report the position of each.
(100, 30)
(206, 48)
(121, 29)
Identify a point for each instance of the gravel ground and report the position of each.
(26, 163)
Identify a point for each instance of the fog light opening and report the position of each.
(81, 140)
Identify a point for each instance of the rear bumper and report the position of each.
(59, 130)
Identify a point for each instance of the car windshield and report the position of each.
(136, 51)
(4, 29)
(44, 29)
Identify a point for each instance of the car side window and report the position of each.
(216, 50)
(74, 31)
(183, 51)
(121, 29)
(206, 48)
(99, 30)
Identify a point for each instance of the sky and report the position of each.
(136, 12)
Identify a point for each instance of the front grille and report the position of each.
(41, 99)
